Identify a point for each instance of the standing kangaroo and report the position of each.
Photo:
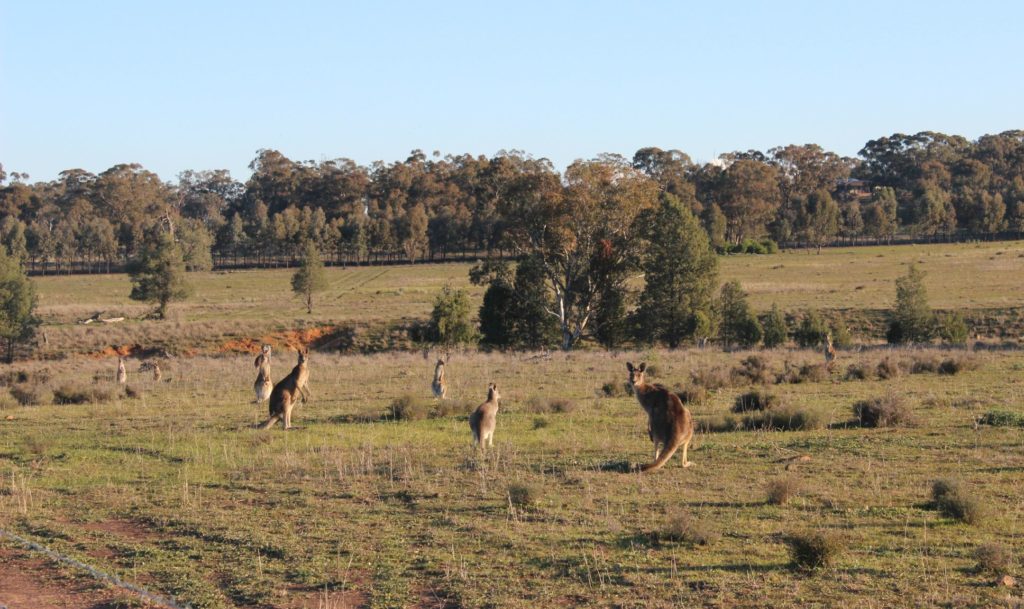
(287, 392)
(440, 385)
(263, 384)
(122, 372)
(485, 418)
(830, 353)
(669, 423)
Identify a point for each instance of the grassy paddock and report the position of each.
(176, 491)
(233, 306)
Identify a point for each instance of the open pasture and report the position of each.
(232, 306)
(175, 491)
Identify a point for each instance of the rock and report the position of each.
(1006, 581)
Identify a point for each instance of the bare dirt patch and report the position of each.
(28, 582)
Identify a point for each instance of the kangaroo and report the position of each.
(287, 392)
(155, 368)
(440, 384)
(669, 423)
(263, 384)
(485, 418)
(830, 353)
(122, 372)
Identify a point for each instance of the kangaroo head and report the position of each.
(266, 350)
(303, 356)
(492, 393)
(636, 373)
(440, 364)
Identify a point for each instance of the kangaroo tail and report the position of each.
(663, 458)
(270, 422)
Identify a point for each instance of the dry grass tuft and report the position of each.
(31, 394)
(753, 370)
(888, 369)
(954, 500)
(755, 401)
(995, 559)
(408, 408)
(523, 495)
(711, 379)
(784, 419)
(813, 550)
(684, 528)
(887, 411)
(70, 393)
(781, 490)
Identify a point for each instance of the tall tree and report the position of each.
(158, 273)
(17, 304)
(912, 319)
(568, 228)
(681, 273)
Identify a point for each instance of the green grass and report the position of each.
(176, 491)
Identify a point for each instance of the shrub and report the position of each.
(811, 331)
(755, 400)
(804, 373)
(955, 501)
(923, 364)
(711, 379)
(953, 329)
(561, 405)
(781, 490)
(783, 419)
(814, 549)
(857, 371)
(995, 559)
(73, 394)
(753, 369)
(887, 411)
(540, 423)
(450, 408)
(718, 424)
(1002, 418)
(912, 320)
(408, 408)
(953, 365)
(31, 394)
(683, 527)
(614, 389)
(132, 393)
(841, 337)
(692, 395)
(775, 330)
(523, 496)
(887, 369)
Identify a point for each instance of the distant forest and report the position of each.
(433, 207)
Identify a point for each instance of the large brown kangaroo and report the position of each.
(287, 392)
(485, 418)
(669, 423)
(830, 353)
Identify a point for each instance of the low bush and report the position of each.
(718, 424)
(924, 364)
(783, 419)
(523, 496)
(857, 371)
(888, 369)
(75, 394)
(692, 395)
(781, 490)
(614, 389)
(541, 405)
(887, 411)
(804, 373)
(755, 401)
(31, 394)
(1002, 418)
(754, 369)
(954, 500)
(408, 408)
(684, 528)
(814, 550)
(995, 559)
(450, 408)
(953, 328)
(132, 393)
(540, 423)
(955, 365)
(711, 379)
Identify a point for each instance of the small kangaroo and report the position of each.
(155, 368)
(485, 418)
(830, 353)
(263, 384)
(286, 393)
(669, 423)
(122, 372)
(440, 386)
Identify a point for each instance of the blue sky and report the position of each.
(203, 85)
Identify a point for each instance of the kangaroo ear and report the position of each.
(629, 366)
(643, 366)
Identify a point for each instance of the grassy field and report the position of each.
(233, 306)
(175, 491)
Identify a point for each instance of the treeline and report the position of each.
(431, 207)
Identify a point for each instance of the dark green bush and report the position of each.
(887, 411)
(814, 550)
(755, 401)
